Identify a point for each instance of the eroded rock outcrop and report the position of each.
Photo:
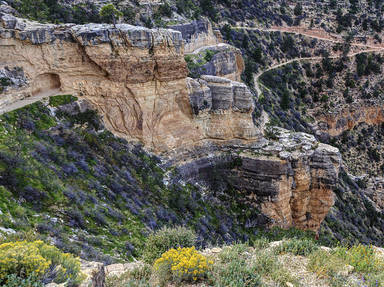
(222, 108)
(136, 77)
(334, 124)
(290, 178)
(226, 61)
(198, 34)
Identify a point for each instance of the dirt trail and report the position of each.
(257, 76)
(314, 33)
(30, 100)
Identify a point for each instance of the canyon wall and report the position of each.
(137, 79)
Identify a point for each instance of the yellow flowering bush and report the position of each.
(22, 258)
(184, 264)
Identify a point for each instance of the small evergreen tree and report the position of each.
(110, 13)
(298, 9)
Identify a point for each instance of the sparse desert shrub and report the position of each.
(15, 281)
(260, 243)
(137, 277)
(325, 264)
(165, 239)
(182, 264)
(333, 264)
(361, 257)
(297, 247)
(25, 259)
(60, 100)
(268, 266)
(232, 269)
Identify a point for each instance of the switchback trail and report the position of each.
(324, 36)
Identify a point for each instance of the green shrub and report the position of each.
(209, 55)
(232, 269)
(236, 273)
(325, 264)
(268, 266)
(137, 277)
(110, 13)
(15, 281)
(260, 243)
(296, 247)
(165, 239)
(60, 100)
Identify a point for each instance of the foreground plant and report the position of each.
(182, 264)
(41, 261)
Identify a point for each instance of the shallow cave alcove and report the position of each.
(45, 83)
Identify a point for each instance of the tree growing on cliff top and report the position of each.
(110, 13)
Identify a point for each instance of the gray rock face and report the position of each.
(87, 35)
(200, 96)
(215, 93)
(12, 78)
(95, 34)
(226, 62)
(191, 30)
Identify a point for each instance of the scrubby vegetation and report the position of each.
(165, 239)
(34, 263)
(182, 264)
(261, 264)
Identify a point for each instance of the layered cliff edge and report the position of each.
(137, 80)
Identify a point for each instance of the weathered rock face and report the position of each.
(223, 108)
(290, 179)
(336, 124)
(136, 77)
(198, 34)
(226, 62)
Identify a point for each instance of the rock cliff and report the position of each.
(137, 79)
(290, 177)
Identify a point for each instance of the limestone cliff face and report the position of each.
(222, 108)
(137, 79)
(226, 62)
(290, 178)
(198, 34)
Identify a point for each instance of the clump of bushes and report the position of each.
(165, 239)
(23, 261)
(297, 247)
(232, 268)
(334, 264)
(60, 100)
(14, 281)
(361, 257)
(182, 264)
